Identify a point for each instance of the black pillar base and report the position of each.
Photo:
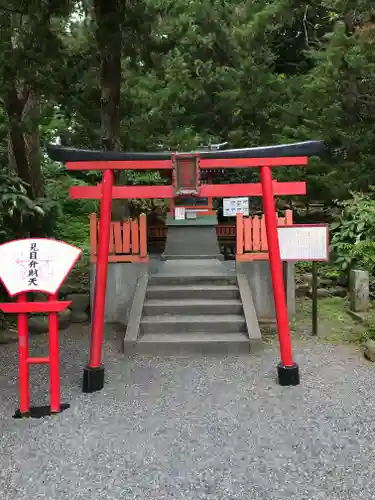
(288, 375)
(93, 379)
(40, 411)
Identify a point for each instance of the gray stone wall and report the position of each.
(259, 277)
(121, 282)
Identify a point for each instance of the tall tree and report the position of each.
(30, 50)
(108, 15)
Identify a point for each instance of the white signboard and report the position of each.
(191, 214)
(303, 242)
(179, 213)
(232, 206)
(36, 264)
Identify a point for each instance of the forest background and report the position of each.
(158, 74)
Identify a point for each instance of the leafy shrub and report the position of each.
(353, 240)
(57, 184)
(18, 213)
(74, 229)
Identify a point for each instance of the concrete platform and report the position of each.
(192, 242)
(193, 306)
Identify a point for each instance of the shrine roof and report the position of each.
(307, 148)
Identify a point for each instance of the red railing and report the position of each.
(252, 237)
(128, 240)
(157, 232)
(226, 230)
(222, 231)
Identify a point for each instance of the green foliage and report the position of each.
(74, 230)
(369, 334)
(58, 182)
(353, 240)
(17, 210)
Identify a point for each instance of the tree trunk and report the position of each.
(108, 36)
(14, 107)
(23, 144)
(31, 120)
(12, 165)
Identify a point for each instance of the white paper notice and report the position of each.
(36, 264)
(179, 213)
(232, 206)
(303, 243)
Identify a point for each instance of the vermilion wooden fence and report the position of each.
(128, 240)
(252, 237)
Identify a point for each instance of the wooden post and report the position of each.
(142, 236)
(93, 237)
(134, 230)
(239, 228)
(314, 296)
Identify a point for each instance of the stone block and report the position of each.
(80, 302)
(38, 325)
(307, 278)
(338, 291)
(39, 297)
(322, 293)
(370, 350)
(8, 337)
(359, 290)
(65, 318)
(302, 290)
(80, 317)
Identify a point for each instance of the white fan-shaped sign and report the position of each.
(36, 264)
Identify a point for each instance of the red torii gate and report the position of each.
(186, 181)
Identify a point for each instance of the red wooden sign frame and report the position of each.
(22, 308)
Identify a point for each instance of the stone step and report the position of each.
(192, 306)
(198, 342)
(192, 291)
(193, 257)
(201, 279)
(193, 323)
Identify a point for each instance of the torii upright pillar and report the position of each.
(93, 373)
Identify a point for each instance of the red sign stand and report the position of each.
(41, 279)
(22, 307)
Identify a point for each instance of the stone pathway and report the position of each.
(216, 428)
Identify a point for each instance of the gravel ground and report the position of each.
(216, 428)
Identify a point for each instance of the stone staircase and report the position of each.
(192, 306)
